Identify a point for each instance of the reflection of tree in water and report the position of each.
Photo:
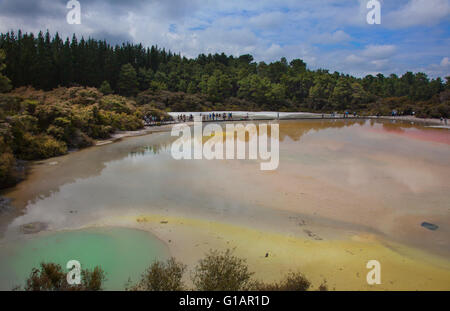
(150, 149)
(400, 126)
(81, 165)
(295, 130)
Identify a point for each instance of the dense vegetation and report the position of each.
(51, 277)
(37, 125)
(218, 271)
(212, 81)
(65, 93)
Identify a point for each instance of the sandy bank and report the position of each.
(342, 262)
(123, 134)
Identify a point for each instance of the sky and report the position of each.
(414, 35)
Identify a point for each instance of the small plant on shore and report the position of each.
(217, 271)
(51, 277)
(221, 271)
(161, 276)
(293, 282)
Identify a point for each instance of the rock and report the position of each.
(429, 226)
(5, 205)
(312, 235)
(33, 227)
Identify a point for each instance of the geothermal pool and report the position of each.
(125, 252)
(345, 192)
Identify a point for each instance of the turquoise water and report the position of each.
(122, 253)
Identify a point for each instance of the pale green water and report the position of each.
(122, 253)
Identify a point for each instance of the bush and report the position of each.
(7, 164)
(78, 139)
(443, 110)
(51, 277)
(115, 103)
(92, 280)
(48, 113)
(293, 282)
(86, 96)
(23, 123)
(29, 106)
(218, 271)
(221, 271)
(56, 132)
(10, 104)
(162, 276)
(36, 147)
(121, 121)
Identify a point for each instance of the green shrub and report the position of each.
(42, 146)
(120, 121)
(218, 271)
(24, 123)
(51, 277)
(86, 96)
(115, 103)
(221, 271)
(443, 110)
(162, 276)
(92, 280)
(48, 113)
(7, 164)
(100, 131)
(9, 104)
(56, 132)
(78, 139)
(293, 282)
(29, 106)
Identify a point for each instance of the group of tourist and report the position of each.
(184, 118)
(217, 116)
(206, 117)
(150, 119)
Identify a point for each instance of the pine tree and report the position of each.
(128, 83)
(5, 83)
(105, 88)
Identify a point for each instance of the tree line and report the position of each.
(214, 80)
(217, 271)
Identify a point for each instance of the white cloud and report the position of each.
(377, 52)
(267, 20)
(338, 36)
(330, 34)
(419, 12)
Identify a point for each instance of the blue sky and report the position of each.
(414, 35)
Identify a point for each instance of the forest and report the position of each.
(176, 83)
(60, 94)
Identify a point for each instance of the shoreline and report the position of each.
(189, 239)
(117, 136)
